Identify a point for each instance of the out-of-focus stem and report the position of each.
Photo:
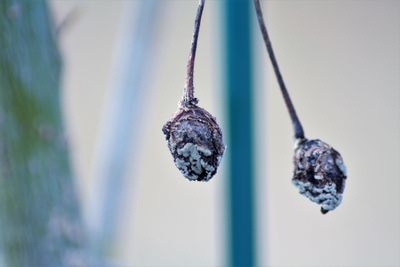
(129, 94)
(298, 128)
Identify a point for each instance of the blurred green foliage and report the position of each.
(39, 214)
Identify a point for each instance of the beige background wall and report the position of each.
(341, 61)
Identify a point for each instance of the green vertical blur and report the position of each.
(40, 221)
(239, 90)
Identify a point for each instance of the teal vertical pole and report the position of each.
(238, 66)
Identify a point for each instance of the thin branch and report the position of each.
(188, 97)
(70, 18)
(298, 128)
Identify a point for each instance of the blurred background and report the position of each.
(124, 66)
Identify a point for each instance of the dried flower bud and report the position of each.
(195, 141)
(319, 173)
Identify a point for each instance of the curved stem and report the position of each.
(188, 97)
(298, 128)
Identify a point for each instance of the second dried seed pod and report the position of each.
(319, 173)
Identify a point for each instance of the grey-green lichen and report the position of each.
(194, 153)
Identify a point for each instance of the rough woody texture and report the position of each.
(195, 141)
(39, 216)
(319, 173)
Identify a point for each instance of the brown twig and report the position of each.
(298, 128)
(188, 97)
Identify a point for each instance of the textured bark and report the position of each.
(39, 215)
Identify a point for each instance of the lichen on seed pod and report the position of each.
(195, 142)
(319, 173)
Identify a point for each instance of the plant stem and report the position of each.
(298, 128)
(188, 98)
(240, 129)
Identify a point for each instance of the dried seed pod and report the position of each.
(195, 141)
(319, 173)
(193, 135)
